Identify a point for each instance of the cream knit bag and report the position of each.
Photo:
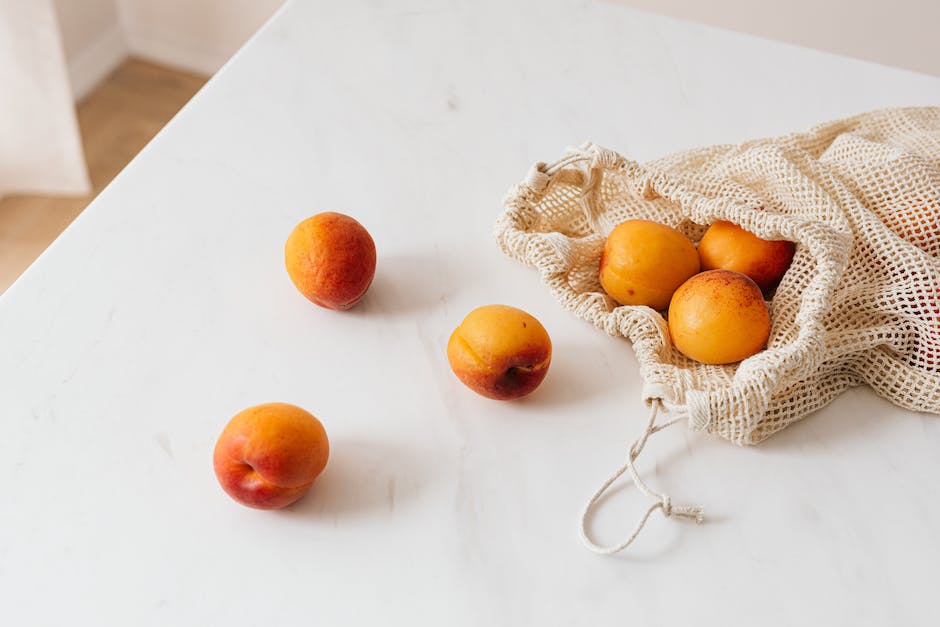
(860, 303)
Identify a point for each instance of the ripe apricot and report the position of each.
(927, 341)
(919, 225)
(719, 317)
(268, 455)
(644, 262)
(500, 352)
(726, 246)
(330, 257)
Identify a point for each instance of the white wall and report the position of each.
(903, 33)
(200, 35)
(195, 35)
(93, 41)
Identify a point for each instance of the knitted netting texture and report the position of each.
(860, 303)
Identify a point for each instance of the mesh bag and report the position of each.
(860, 303)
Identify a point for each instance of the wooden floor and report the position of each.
(116, 120)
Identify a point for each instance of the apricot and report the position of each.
(644, 262)
(719, 317)
(919, 225)
(726, 246)
(330, 257)
(927, 341)
(500, 352)
(269, 455)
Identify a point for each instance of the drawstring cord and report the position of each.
(661, 501)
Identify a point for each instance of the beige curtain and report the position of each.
(40, 147)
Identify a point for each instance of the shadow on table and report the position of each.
(856, 414)
(577, 372)
(364, 478)
(405, 285)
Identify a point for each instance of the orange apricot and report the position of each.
(719, 317)
(330, 257)
(500, 352)
(726, 246)
(644, 262)
(269, 455)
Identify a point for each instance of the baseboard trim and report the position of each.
(94, 62)
(172, 52)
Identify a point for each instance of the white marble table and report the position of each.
(165, 309)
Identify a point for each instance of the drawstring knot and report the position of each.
(661, 502)
(666, 506)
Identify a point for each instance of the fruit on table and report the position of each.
(500, 352)
(719, 317)
(268, 455)
(644, 262)
(330, 257)
(726, 246)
